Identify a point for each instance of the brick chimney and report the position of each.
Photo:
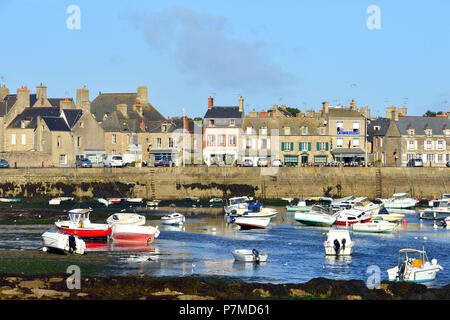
(210, 102)
(325, 107)
(3, 92)
(142, 94)
(353, 106)
(186, 123)
(66, 104)
(41, 92)
(82, 101)
(241, 104)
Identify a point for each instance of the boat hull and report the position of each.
(245, 255)
(417, 276)
(59, 242)
(252, 223)
(102, 232)
(133, 233)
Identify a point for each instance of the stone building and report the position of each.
(123, 117)
(279, 135)
(53, 128)
(221, 132)
(426, 138)
(347, 132)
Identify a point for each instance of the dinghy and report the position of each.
(173, 218)
(375, 225)
(247, 255)
(126, 218)
(58, 241)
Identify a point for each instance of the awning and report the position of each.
(163, 151)
(348, 152)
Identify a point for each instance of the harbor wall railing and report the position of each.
(223, 182)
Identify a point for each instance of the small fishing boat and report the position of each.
(440, 210)
(359, 203)
(301, 206)
(134, 233)
(246, 223)
(80, 225)
(135, 200)
(254, 209)
(349, 216)
(338, 243)
(375, 225)
(247, 255)
(103, 201)
(126, 218)
(57, 201)
(399, 201)
(413, 266)
(173, 218)
(216, 200)
(114, 200)
(317, 216)
(236, 203)
(153, 203)
(58, 241)
(10, 199)
(388, 215)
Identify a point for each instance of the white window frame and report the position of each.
(13, 138)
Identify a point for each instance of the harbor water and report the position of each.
(203, 246)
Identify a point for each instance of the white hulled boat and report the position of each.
(246, 223)
(247, 255)
(360, 203)
(375, 226)
(338, 243)
(254, 209)
(349, 216)
(440, 210)
(126, 218)
(236, 203)
(388, 215)
(57, 240)
(413, 266)
(301, 206)
(317, 216)
(173, 218)
(399, 201)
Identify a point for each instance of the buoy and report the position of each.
(405, 222)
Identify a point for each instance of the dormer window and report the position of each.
(355, 126)
(411, 132)
(249, 130)
(429, 132)
(232, 122)
(304, 131)
(287, 130)
(376, 128)
(322, 131)
(212, 122)
(164, 128)
(263, 131)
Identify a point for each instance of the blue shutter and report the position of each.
(326, 146)
(299, 146)
(309, 146)
(317, 146)
(292, 146)
(282, 146)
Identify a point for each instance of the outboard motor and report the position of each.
(337, 246)
(72, 244)
(401, 271)
(343, 244)
(256, 255)
(442, 223)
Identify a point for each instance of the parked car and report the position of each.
(247, 163)
(113, 161)
(415, 163)
(263, 162)
(448, 164)
(83, 163)
(162, 163)
(277, 163)
(4, 163)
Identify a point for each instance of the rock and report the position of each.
(82, 294)
(32, 284)
(261, 293)
(166, 292)
(55, 280)
(352, 297)
(39, 293)
(11, 292)
(299, 293)
(194, 297)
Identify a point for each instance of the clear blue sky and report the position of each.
(297, 53)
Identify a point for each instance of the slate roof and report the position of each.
(56, 123)
(31, 115)
(383, 123)
(7, 103)
(223, 112)
(343, 113)
(55, 102)
(72, 116)
(295, 124)
(106, 103)
(420, 124)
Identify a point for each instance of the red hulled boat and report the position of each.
(80, 225)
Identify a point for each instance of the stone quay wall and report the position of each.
(223, 182)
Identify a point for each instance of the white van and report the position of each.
(113, 161)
